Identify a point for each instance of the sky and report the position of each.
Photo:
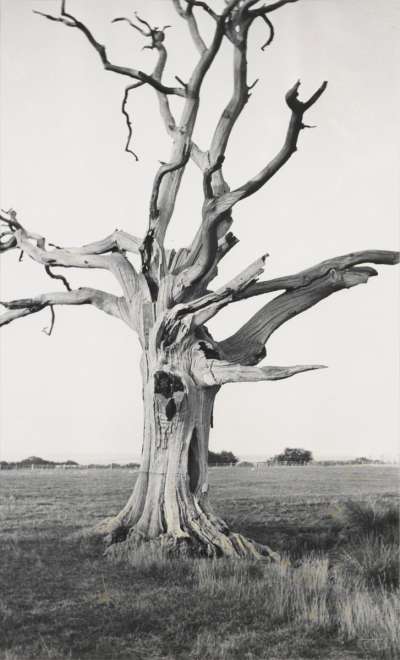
(77, 394)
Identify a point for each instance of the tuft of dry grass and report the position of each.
(369, 618)
(285, 593)
(370, 518)
(374, 562)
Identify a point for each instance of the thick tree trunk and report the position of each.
(169, 504)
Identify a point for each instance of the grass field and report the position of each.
(334, 596)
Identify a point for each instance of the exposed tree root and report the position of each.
(125, 545)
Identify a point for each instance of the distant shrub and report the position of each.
(293, 456)
(34, 460)
(7, 466)
(222, 458)
(245, 464)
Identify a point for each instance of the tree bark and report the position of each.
(169, 504)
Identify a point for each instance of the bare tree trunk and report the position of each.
(169, 504)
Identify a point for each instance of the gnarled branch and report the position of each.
(106, 302)
(271, 32)
(90, 256)
(217, 217)
(53, 276)
(157, 38)
(298, 108)
(267, 9)
(239, 25)
(313, 285)
(304, 277)
(119, 240)
(204, 247)
(166, 168)
(171, 183)
(157, 42)
(219, 372)
(205, 307)
(70, 21)
(188, 15)
(128, 120)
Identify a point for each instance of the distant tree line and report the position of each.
(41, 463)
(35, 461)
(214, 458)
(361, 460)
(290, 456)
(298, 456)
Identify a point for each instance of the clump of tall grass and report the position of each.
(375, 562)
(372, 554)
(225, 645)
(367, 617)
(282, 592)
(308, 593)
(373, 519)
(154, 561)
(236, 576)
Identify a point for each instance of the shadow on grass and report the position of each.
(341, 527)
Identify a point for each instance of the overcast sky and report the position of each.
(78, 393)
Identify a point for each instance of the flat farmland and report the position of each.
(33, 501)
(60, 598)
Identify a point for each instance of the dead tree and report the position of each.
(169, 300)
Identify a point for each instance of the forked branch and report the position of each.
(303, 291)
(70, 21)
(183, 136)
(90, 256)
(157, 38)
(238, 27)
(204, 308)
(106, 302)
(219, 200)
(267, 9)
(166, 168)
(298, 108)
(187, 14)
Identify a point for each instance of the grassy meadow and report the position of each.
(334, 595)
